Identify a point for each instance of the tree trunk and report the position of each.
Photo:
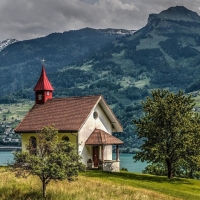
(169, 168)
(191, 174)
(43, 189)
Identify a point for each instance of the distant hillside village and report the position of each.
(12, 114)
(7, 135)
(10, 117)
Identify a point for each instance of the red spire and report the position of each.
(43, 82)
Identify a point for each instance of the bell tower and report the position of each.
(43, 89)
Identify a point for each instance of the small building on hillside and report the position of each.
(86, 121)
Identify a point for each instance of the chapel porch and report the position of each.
(98, 140)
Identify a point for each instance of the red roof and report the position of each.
(100, 137)
(67, 114)
(43, 82)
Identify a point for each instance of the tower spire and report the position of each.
(43, 89)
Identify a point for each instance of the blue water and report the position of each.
(126, 161)
(5, 157)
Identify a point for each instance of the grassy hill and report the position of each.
(95, 185)
(13, 113)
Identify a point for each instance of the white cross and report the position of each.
(43, 61)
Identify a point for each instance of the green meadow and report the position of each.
(197, 101)
(14, 112)
(97, 185)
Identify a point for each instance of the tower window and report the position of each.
(39, 97)
(48, 93)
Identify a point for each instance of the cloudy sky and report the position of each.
(27, 19)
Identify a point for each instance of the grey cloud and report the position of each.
(26, 19)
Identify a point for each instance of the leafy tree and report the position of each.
(2, 129)
(169, 129)
(49, 159)
(190, 163)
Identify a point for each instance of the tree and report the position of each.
(169, 129)
(49, 159)
(2, 129)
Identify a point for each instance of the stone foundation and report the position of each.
(111, 166)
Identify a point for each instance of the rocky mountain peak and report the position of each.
(176, 13)
(5, 43)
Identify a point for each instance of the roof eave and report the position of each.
(105, 144)
(37, 131)
(90, 113)
(113, 119)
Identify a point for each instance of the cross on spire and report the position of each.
(43, 60)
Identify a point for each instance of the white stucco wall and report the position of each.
(102, 122)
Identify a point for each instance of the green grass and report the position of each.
(15, 111)
(97, 185)
(176, 187)
(197, 100)
(151, 43)
(142, 83)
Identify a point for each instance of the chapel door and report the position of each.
(95, 155)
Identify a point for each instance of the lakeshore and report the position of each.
(126, 161)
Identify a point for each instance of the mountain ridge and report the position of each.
(179, 13)
(163, 54)
(58, 49)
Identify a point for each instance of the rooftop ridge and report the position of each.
(75, 97)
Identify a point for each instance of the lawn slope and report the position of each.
(96, 185)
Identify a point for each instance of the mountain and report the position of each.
(5, 43)
(163, 54)
(123, 67)
(178, 13)
(21, 61)
(167, 49)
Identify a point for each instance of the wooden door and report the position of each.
(96, 155)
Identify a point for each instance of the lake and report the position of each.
(5, 157)
(126, 161)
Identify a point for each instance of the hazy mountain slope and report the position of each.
(20, 62)
(165, 53)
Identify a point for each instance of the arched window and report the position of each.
(32, 145)
(65, 138)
